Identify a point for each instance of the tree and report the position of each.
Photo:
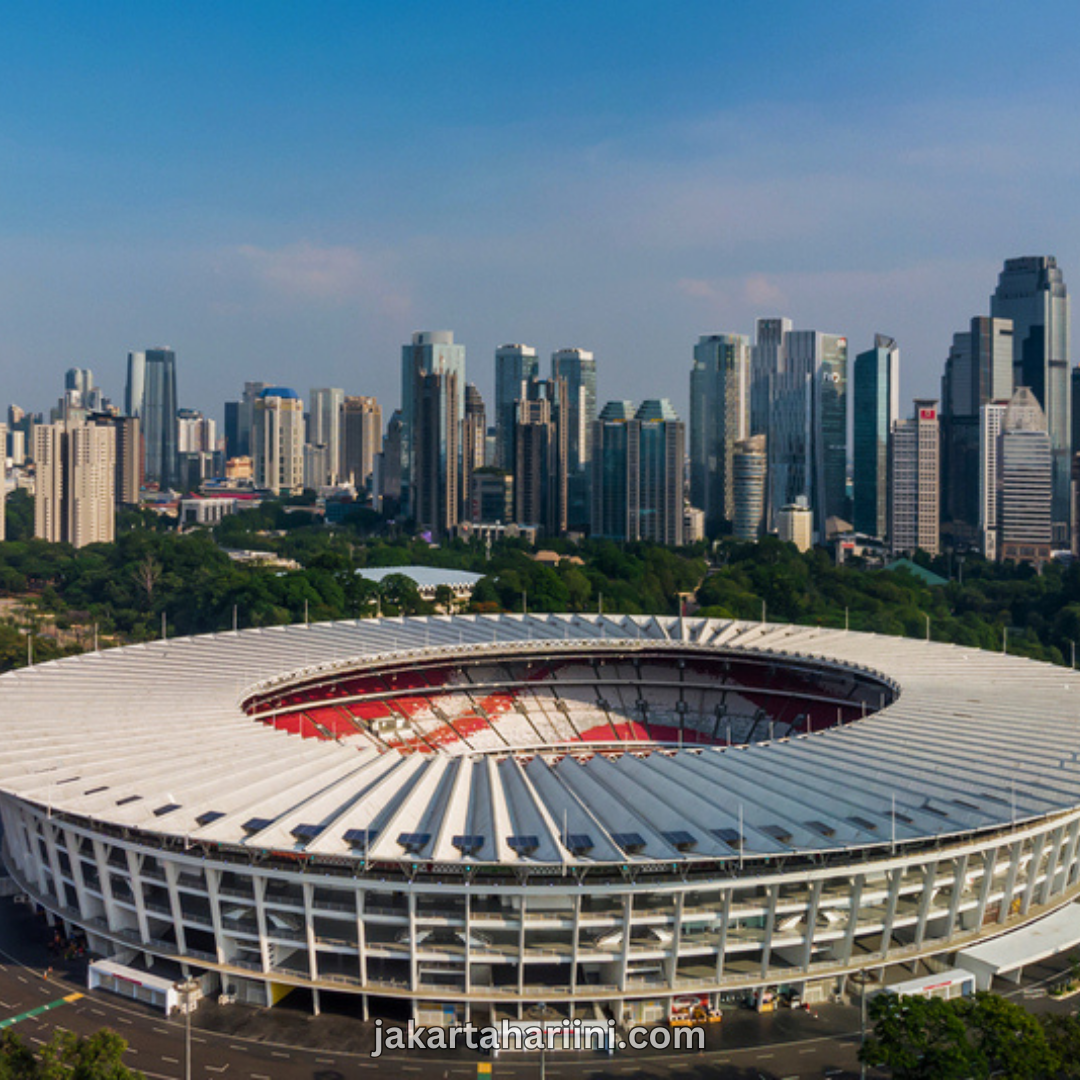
(986, 1035)
(66, 1056)
(919, 1039)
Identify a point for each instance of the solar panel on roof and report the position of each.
(935, 810)
(257, 824)
(168, 808)
(629, 841)
(414, 841)
(361, 837)
(899, 815)
(820, 827)
(209, 816)
(579, 841)
(681, 839)
(306, 832)
(524, 844)
(729, 837)
(128, 799)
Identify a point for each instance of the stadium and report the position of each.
(465, 817)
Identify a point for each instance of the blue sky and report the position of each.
(286, 190)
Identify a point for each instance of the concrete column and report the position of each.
(1057, 839)
(213, 893)
(853, 918)
(1016, 853)
(134, 862)
(959, 877)
(260, 918)
(895, 878)
(811, 922)
(770, 925)
(169, 868)
(725, 918)
(989, 865)
(924, 905)
(1038, 847)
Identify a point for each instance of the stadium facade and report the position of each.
(472, 815)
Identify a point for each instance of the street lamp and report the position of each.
(187, 988)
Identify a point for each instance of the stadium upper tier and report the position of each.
(470, 744)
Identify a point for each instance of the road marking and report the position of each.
(98, 1012)
(278, 1053)
(244, 1048)
(195, 1038)
(809, 1050)
(124, 1020)
(259, 1076)
(32, 1014)
(161, 1031)
(217, 1068)
(170, 1060)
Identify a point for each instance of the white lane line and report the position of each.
(278, 1053)
(125, 1020)
(217, 1068)
(259, 1076)
(170, 1060)
(244, 1048)
(161, 1031)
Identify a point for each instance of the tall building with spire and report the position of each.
(719, 418)
(1031, 292)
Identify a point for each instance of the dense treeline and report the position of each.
(125, 589)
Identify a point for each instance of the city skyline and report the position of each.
(269, 205)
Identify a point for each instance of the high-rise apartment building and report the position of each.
(877, 408)
(324, 429)
(151, 396)
(278, 441)
(435, 496)
(361, 436)
(1031, 292)
(578, 368)
(74, 499)
(541, 456)
(473, 443)
(914, 482)
(978, 370)
(195, 433)
(991, 416)
(637, 468)
(515, 365)
(750, 469)
(1025, 485)
(719, 418)
(386, 475)
(808, 426)
(430, 352)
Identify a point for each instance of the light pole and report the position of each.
(927, 617)
(187, 988)
(1072, 645)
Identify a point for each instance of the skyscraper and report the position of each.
(324, 429)
(749, 475)
(637, 467)
(914, 479)
(978, 370)
(990, 418)
(540, 456)
(74, 499)
(151, 396)
(877, 408)
(515, 365)
(578, 368)
(719, 417)
(473, 442)
(278, 441)
(1025, 486)
(808, 425)
(239, 418)
(360, 435)
(1031, 292)
(435, 495)
(769, 358)
(430, 352)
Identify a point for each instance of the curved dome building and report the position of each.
(472, 815)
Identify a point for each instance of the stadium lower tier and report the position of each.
(454, 952)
